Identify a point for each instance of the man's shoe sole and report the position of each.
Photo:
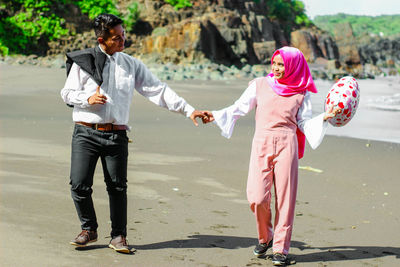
(82, 245)
(121, 250)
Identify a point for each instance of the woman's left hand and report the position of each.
(332, 112)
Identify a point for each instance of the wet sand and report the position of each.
(186, 185)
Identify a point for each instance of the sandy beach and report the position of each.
(186, 185)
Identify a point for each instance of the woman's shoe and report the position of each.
(279, 259)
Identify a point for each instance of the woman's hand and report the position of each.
(331, 112)
(208, 116)
(205, 115)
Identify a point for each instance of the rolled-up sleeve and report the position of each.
(226, 118)
(313, 128)
(158, 92)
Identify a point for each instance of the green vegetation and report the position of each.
(33, 24)
(93, 8)
(132, 16)
(289, 13)
(177, 4)
(389, 25)
(27, 25)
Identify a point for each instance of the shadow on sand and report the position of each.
(203, 241)
(312, 254)
(93, 247)
(342, 253)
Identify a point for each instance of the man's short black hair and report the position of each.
(104, 22)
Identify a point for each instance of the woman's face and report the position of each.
(278, 67)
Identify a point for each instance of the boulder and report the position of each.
(264, 51)
(347, 44)
(306, 42)
(327, 46)
(175, 42)
(314, 44)
(381, 52)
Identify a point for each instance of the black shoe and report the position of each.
(279, 259)
(262, 248)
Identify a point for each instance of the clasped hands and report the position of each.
(205, 115)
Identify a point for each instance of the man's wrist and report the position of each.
(189, 110)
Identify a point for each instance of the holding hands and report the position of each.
(205, 115)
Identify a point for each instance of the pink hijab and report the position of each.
(297, 78)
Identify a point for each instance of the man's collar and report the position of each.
(114, 56)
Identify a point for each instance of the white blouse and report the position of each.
(313, 128)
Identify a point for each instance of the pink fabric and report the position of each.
(274, 161)
(297, 78)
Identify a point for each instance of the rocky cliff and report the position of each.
(236, 33)
(223, 31)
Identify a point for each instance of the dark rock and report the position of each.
(382, 52)
(347, 44)
(264, 51)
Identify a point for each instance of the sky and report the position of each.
(353, 7)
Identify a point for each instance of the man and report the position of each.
(100, 87)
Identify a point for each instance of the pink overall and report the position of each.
(274, 160)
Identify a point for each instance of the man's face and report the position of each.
(114, 41)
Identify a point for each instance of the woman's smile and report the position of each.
(278, 67)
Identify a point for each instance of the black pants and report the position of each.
(112, 147)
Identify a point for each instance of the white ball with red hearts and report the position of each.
(344, 94)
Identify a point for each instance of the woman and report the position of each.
(283, 120)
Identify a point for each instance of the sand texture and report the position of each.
(186, 185)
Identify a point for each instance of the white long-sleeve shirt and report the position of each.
(121, 75)
(313, 128)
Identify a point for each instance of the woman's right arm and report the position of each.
(227, 117)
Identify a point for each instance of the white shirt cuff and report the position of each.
(225, 124)
(188, 110)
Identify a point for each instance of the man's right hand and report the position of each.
(97, 98)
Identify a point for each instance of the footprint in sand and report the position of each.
(219, 227)
(220, 212)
